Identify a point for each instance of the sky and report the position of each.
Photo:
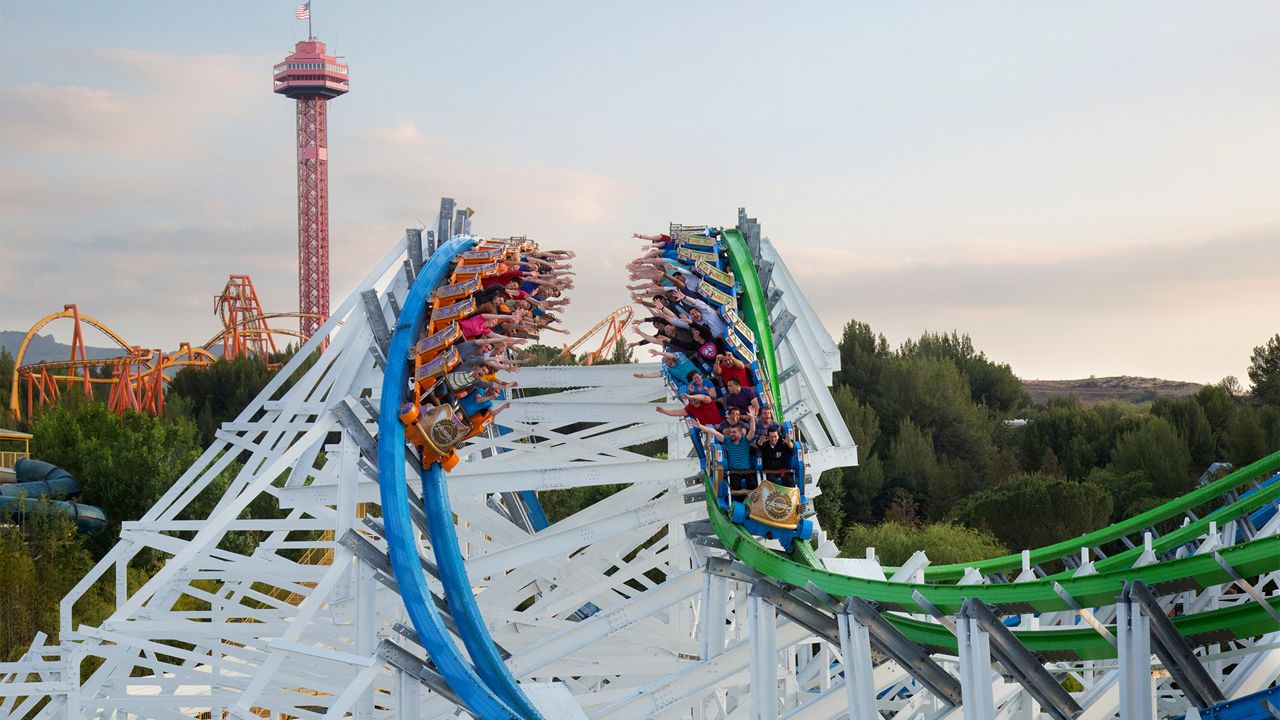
(1089, 188)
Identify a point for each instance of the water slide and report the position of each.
(43, 487)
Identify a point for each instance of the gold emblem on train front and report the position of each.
(778, 506)
(444, 431)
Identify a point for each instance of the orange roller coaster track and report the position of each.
(139, 374)
(611, 329)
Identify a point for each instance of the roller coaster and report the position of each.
(460, 597)
(137, 377)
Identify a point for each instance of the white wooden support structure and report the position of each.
(855, 649)
(607, 613)
(763, 619)
(1133, 631)
(975, 670)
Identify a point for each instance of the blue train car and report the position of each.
(769, 505)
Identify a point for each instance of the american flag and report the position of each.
(303, 12)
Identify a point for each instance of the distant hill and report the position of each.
(44, 347)
(1124, 388)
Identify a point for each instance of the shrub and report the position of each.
(944, 543)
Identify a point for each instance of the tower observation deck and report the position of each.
(312, 77)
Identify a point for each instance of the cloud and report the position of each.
(166, 101)
(394, 168)
(141, 208)
(958, 280)
(1184, 310)
(404, 135)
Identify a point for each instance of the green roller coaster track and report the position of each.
(754, 310)
(1100, 588)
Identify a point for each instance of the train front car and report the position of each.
(769, 503)
(775, 510)
(448, 405)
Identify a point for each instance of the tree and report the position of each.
(123, 464)
(7, 369)
(1065, 438)
(1036, 510)
(1264, 371)
(992, 385)
(547, 355)
(622, 354)
(862, 355)
(1219, 407)
(911, 463)
(1131, 492)
(560, 504)
(1159, 455)
(217, 393)
(859, 487)
(1189, 419)
(933, 394)
(1252, 433)
(41, 559)
(944, 543)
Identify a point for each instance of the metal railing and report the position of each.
(10, 458)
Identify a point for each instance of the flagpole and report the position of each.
(310, 35)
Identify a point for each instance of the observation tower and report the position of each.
(312, 77)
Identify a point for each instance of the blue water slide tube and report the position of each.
(38, 479)
(480, 698)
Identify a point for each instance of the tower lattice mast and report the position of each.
(312, 78)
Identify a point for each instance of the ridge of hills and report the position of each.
(44, 348)
(1120, 388)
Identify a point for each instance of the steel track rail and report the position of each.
(1100, 589)
(474, 684)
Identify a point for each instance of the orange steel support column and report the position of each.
(77, 344)
(154, 400)
(247, 332)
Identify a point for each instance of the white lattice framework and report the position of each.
(611, 605)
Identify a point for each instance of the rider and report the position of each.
(776, 452)
(737, 457)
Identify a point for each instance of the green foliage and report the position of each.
(1254, 431)
(1219, 407)
(933, 395)
(911, 463)
(1131, 492)
(215, 394)
(861, 486)
(1070, 440)
(41, 559)
(560, 504)
(1035, 510)
(546, 355)
(1189, 420)
(1156, 453)
(944, 543)
(992, 385)
(7, 368)
(929, 421)
(829, 505)
(1264, 371)
(622, 354)
(862, 355)
(124, 464)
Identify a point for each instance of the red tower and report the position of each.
(312, 78)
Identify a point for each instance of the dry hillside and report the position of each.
(1124, 388)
